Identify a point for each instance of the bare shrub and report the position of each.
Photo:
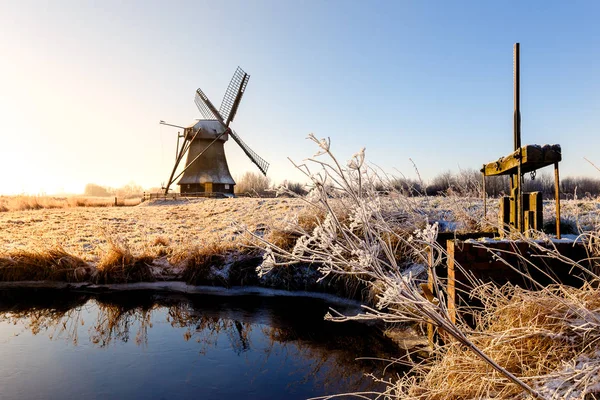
(252, 183)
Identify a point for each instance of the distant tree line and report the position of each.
(470, 183)
(465, 183)
(128, 191)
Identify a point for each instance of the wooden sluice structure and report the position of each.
(526, 263)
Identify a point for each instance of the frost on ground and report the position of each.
(183, 225)
(167, 232)
(160, 240)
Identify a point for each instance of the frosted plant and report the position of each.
(364, 235)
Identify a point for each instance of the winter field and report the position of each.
(355, 237)
(162, 227)
(166, 233)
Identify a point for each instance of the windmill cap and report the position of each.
(209, 129)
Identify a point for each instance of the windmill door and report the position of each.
(208, 187)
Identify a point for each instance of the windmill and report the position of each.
(206, 169)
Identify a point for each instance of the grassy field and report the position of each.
(84, 231)
(206, 241)
(166, 235)
(154, 240)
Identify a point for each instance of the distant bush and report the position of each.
(292, 188)
(129, 191)
(24, 203)
(91, 189)
(253, 183)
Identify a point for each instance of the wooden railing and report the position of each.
(175, 196)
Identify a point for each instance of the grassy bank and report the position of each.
(200, 241)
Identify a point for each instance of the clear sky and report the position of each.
(84, 84)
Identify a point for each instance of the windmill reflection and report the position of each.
(290, 330)
(206, 328)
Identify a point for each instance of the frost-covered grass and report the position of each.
(200, 241)
(540, 344)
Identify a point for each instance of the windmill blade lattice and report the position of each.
(255, 158)
(233, 95)
(207, 109)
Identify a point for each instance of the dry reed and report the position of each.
(532, 334)
(119, 265)
(202, 264)
(53, 264)
(25, 203)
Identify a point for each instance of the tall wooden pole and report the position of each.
(557, 196)
(484, 193)
(517, 97)
(517, 188)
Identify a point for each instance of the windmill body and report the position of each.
(209, 172)
(206, 169)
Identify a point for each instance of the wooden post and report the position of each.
(451, 289)
(431, 331)
(519, 197)
(484, 194)
(557, 196)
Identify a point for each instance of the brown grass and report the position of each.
(52, 264)
(530, 333)
(25, 203)
(119, 265)
(164, 235)
(160, 246)
(199, 261)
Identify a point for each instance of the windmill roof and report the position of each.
(208, 125)
(209, 129)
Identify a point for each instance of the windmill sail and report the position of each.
(255, 158)
(206, 108)
(233, 95)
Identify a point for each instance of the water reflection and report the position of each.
(278, 345)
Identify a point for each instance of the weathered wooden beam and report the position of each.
(532, 157)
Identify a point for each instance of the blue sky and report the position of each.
(84, 84)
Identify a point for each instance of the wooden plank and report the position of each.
(533, 157)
